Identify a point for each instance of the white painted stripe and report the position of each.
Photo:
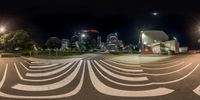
(120, 76)
(123, 69)
(161, 68)
(197, 90)
(151, 68)
(42, 74)
(150, 74)
(46, 79)
(46, 69)
(52, 86)
(102, 88)
(69, 94)
(152, 83)
(27, 62)
(172, 72)
(4, 76)
(162, 63)
(35, 62)
(123, 63)
(168, 82)
(133, 85)
(123, 84)
(44, 66)
(125, 73)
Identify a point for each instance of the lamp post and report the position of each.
(142, 42)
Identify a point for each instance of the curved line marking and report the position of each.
(138, 85)
(36, 70)
(41, 74)
(102, 88)
(4, 76)
(53, 86)
(197, 90)
(127, 70)
(120, 76)
(153, 68)
(151, 74)
(69, 94)
(42, 80)
(43, 66)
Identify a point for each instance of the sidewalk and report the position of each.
(52, 60)
(64, 60)
(138, 59)
(127, 58)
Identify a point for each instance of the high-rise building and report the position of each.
(113, 44)
(65, 44)
(89, 38)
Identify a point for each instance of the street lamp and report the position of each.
(83, 35)
(155, 13)
(2, 29)
(142, 42)
(143, 35)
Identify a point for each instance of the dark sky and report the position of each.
(45, 18)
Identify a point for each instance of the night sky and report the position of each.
(45, 18)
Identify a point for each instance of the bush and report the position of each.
(22, 52)
(59, 53)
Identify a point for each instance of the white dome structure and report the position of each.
(153, 36)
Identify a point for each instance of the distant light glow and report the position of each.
(174, 38)
(2, 29)
(85, 31)
(83, 35)
(144, 42)
(198, 41)
(93, 30)
(155, 13)
(116, 34)
(198, 29)
(143, 35)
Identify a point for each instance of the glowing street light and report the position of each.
(155, 13)
(198, 41)
(83, 35)
(145, 43)
(143, 35)
(2, 29)
(142, 40)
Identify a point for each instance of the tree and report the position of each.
(18, 39)
(82, 46)
(93, 44)
(129, 48)
(73, 43)
(53, 43)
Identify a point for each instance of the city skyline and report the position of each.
(99, 50)
(128, 18)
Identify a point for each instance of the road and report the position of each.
(98, 78)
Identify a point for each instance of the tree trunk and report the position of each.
(49, 52)
(56, 52)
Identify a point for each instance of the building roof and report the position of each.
(156, 35)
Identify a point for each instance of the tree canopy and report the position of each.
(53, 43)
(18, 39)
